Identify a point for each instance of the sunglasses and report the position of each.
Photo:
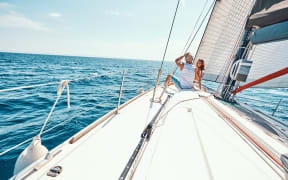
(190, 59)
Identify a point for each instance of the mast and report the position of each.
(240, 54)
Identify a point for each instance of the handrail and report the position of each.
(89, 128)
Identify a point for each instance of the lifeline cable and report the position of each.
(44, 84)
(48, 130)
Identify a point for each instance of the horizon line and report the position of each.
(124, 58)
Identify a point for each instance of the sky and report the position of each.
(134, 29)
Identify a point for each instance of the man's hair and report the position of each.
(191, 58)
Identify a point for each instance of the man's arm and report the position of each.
(179, 63)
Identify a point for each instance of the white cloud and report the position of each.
(113, 13)
(182, 3)
(117, 13)
(55, 15)
(5, 5)
(16, 21)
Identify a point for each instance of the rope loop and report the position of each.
(61, 87)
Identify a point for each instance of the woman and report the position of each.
(199, 68)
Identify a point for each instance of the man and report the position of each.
(187, 73)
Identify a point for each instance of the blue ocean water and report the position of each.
(265, 100)
(23, 112)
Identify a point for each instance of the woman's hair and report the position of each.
(202, 67)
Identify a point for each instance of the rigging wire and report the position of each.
(171, 28)
(160, 69)
(159, 73)
(197, 21)
(191, 41)
(200, 25)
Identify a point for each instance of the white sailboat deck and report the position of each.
(191, 141)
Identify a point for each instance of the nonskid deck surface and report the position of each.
(194, 142)
(190, 141)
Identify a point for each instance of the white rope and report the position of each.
(45, 84)
(25, 87)
(48, 130)
(61, 88)
(14, 147)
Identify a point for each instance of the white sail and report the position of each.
(269, 58)
(223, 31)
